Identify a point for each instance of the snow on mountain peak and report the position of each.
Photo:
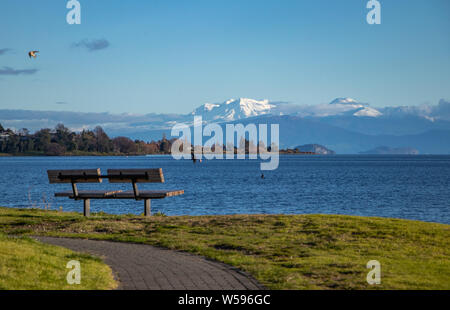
(344, 101)
(233, 109)
(210, 106)
(369, 112)
(350, 105)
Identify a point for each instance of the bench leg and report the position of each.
(147, 208)
(87, 207)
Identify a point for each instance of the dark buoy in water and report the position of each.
(262, 175)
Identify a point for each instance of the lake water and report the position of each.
(410, 187)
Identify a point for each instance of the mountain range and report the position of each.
(343, 125)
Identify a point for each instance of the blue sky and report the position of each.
(171, 56)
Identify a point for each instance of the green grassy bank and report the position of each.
(281, 251)
(26, 264)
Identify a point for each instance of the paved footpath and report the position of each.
(145, 267)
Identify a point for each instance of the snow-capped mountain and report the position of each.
(347, 101)
(233, 109)
(337, 107)
(356, 108)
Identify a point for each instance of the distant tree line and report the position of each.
(62, 141)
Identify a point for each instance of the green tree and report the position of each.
(124, 145)
(55, 149)
(12, 145)
(42, 139)
(104, 144)
(164, 145)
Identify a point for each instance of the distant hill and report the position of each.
(315, 148)
(385, 150)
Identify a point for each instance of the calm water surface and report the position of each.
(411, 187)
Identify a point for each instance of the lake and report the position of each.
(408, 187)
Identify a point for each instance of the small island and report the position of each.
(308, 149)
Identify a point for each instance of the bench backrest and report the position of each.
(76, 176)
(136, 175)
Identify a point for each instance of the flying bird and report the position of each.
(32, 54)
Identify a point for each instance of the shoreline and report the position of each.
(149, 155)
(158, 214)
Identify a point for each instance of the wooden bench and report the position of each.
(133, 176)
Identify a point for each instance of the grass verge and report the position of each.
(26, 264)
(281, 251)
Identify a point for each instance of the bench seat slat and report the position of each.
(147, 194)
(140, 175)
(64, 176)
(83, 194)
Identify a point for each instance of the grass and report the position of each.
(26, 264)
(281, 251)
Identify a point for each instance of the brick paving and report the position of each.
(145, 267)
